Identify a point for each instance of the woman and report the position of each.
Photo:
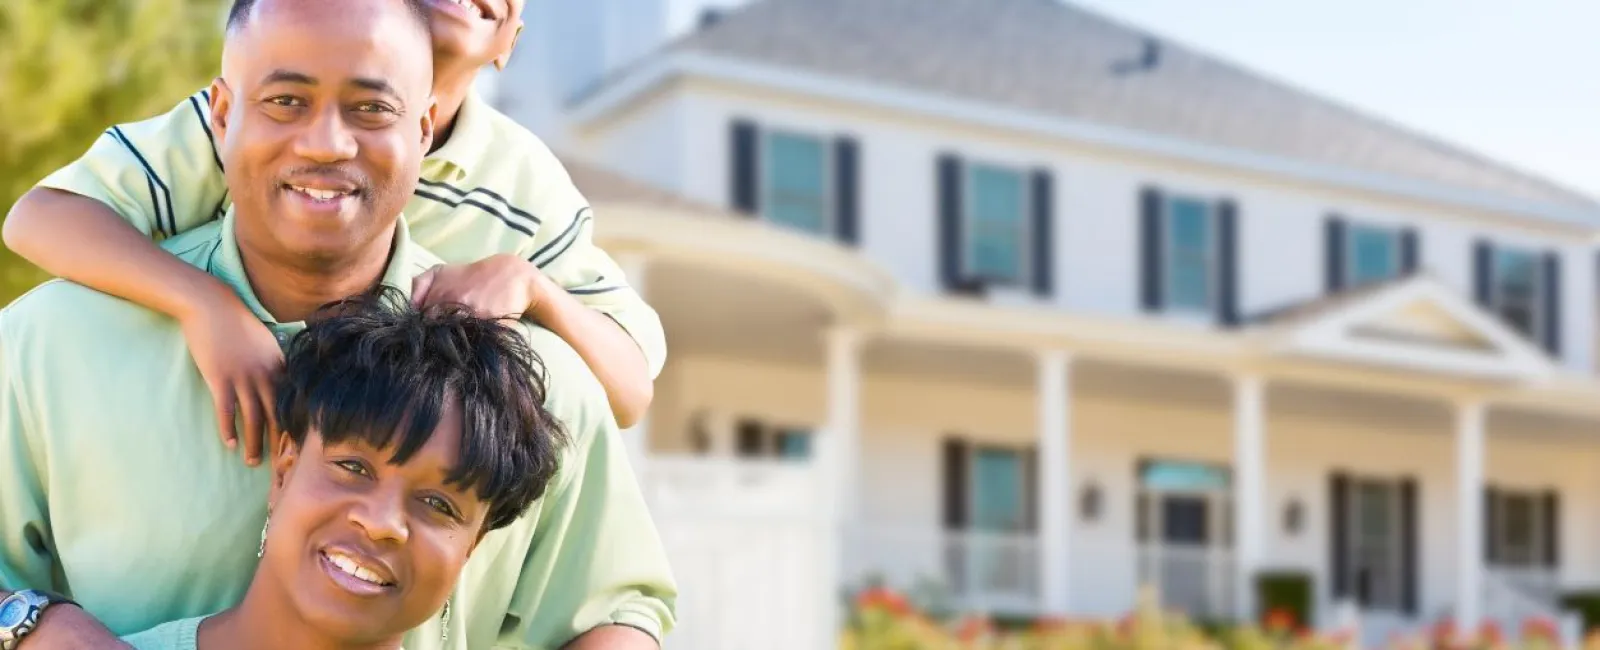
(409, 435)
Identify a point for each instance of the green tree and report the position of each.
(69, 69)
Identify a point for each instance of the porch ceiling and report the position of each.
(711, 311)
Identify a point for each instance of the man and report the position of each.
(322, 116)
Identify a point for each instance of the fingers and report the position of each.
(250, 402)
(222, 401)
(421, 285)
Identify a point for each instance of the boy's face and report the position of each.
(476, 31)
(323, 115)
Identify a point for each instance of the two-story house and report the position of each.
(1008, 296)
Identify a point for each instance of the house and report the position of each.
(1016, 299)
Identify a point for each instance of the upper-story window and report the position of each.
(800, 181)
(1372, 254)
(794, 185)
(996, 225)
(1190, 250)
(1514, 289)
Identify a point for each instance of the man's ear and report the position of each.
(221, 103)
(429, 122)
(282, 461)
(500, 62)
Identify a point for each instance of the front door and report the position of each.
(1185, 536)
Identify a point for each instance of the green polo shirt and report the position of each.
(493, 187)
(115, 489)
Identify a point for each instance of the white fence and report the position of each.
(751, 550)
(980, 571)
(1198, 580)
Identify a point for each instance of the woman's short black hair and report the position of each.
(375, 369)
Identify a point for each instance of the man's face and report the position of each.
(323, 114)
(478, 31)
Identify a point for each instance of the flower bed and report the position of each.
(885, 620)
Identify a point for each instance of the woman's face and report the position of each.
(365, 550)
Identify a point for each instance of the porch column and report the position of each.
(844, 418)
(1249, 489)
(635, 268)
(1470, 417)
(1055, 481)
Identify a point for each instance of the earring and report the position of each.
(263, 549)
(444, 625)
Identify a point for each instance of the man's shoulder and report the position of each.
(64, 310)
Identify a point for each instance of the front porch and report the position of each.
(1399, 449)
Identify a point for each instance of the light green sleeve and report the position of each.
(163, 175)
(596, 558)
(177, 635)
(26, 557)
(563, 248)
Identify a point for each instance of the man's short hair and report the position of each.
(376, 369)
(239, 14)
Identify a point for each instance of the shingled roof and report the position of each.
(1056, 59)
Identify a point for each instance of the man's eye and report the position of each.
(374, 107)
(353, 467)
(284, 100)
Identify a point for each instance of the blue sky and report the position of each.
(1517, 80)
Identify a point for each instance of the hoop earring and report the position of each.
(263, 549)
(444, 625)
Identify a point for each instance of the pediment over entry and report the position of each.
(1415, 324)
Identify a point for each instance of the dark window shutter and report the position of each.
(1228, 253)
(1552, 303)
(1408, 546)
(1043, 232)
(1030, 488)
(1333, 247)
(1408, 251)
(745, 167)
(1491, 520)
(955, 484)
(949, 201)
(1150, 238)
(1482, 268)
(1339, 534)
(750, 439)
(1141, 523)
(1552, 529)
(846, 190)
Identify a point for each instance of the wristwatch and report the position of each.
(20, 612)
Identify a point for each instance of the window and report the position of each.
(1515, 289)
(757, 439)
(998, 499)
(1375, 544)
(996, 224)
(795, 183)
(1373, 254)
(1518, 521)
(1191, 255)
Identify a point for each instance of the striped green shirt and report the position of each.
(115, 489)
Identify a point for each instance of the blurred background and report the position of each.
(991, 315)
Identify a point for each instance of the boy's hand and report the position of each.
(499, 286)
(239, 359)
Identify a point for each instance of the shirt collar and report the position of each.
(228, 265)
(468, 143)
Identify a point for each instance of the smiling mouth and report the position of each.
(470, 6)
(317, 194)
(351, 567)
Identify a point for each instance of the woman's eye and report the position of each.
(353, 467)
(440, 505)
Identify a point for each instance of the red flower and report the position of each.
(1540, 627)
(883, 598)
(1489, 633)
(1280, 620)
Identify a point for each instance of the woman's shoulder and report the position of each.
(177, 635)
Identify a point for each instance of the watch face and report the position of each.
(12, 612)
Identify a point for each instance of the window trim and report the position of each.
(830, 216)
(1396, 235)
(969, 194)
(1537, 309)
(1213, 257)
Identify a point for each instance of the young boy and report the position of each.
(493, 202)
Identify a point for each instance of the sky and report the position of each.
(1516, 80)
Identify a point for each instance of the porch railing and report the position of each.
(1196, 580)
(993, 572)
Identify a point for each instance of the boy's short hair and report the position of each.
(378, 370)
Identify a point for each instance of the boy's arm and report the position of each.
(617, 360)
